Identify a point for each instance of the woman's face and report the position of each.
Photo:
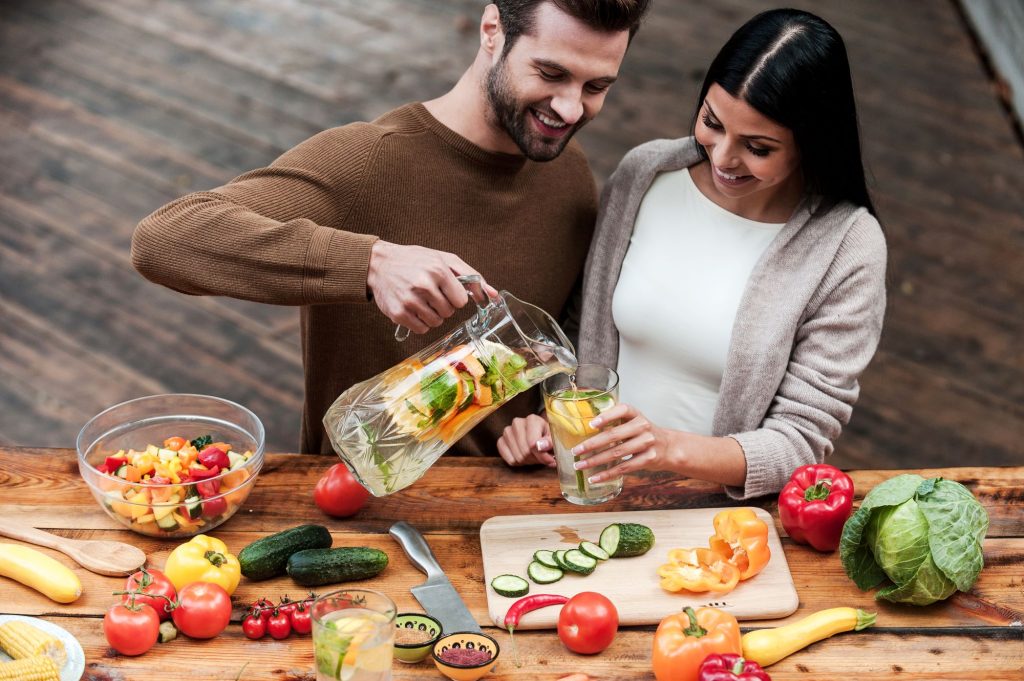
(749, 152)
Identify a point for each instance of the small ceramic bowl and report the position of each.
(466, 640)
(417, 621)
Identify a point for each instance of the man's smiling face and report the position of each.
(553, 81)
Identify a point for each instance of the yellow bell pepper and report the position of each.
(203, 559)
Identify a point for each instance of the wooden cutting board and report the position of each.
(508, 543)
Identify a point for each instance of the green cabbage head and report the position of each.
(921, 536)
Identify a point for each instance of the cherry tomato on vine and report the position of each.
(588, 623)
(254, 626)
(279, 626)
(204, 611)
(131, 630)
(338, 493)
(264, 608)
(287, 605)
(151, 582)
(302, 622)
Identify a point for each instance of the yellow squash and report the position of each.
(768, 646)
(40, 572)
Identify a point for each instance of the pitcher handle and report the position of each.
(473, 284)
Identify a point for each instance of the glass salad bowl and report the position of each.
(171, 465)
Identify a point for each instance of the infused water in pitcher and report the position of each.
(391, 428)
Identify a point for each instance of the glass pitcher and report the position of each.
(391, 428)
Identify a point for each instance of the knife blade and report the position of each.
(437, 595)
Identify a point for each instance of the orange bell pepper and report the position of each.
(684, 639)
(741, 538)
(698, 570)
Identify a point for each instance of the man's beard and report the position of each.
(512, 118)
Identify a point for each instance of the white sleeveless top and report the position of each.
(674, 304)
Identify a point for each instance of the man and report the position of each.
(394, 210)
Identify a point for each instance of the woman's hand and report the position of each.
(638, 444)
(526, 441)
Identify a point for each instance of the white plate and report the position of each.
(75, 665)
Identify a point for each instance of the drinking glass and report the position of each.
(353, 635)
(572, 402)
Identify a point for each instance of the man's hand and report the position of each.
(415, 286)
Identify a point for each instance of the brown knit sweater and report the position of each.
(299, 232)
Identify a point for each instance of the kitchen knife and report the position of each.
(437, 595)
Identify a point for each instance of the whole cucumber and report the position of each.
(315, 567)
(268, 557)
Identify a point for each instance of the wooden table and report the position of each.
(978, 635)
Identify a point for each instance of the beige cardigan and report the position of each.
(807, 325)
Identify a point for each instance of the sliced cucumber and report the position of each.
(559, 557)
(621, 540)
(236, 460)
(542, 574)
(167, 522)
(194, 504)
(593, 550)
(546, 558)
(579, 562)
(510, 586)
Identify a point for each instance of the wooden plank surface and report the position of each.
(507, 544)
(48, 484)
(109, 108)
(977, 635)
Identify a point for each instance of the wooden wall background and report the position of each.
(111, 108)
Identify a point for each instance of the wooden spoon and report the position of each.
(111, 558)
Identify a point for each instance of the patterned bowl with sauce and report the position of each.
(465, 644)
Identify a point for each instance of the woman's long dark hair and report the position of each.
(792, 67)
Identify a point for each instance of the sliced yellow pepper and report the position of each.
(203, 559)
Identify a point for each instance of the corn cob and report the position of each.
(21, 640)
(37, 668)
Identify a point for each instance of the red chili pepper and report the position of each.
(814, 505)
(730, 667)
(529, 604)
(524, 605)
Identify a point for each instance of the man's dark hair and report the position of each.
(603, 15)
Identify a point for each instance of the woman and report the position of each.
(737, 277)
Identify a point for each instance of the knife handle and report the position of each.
(416, 547)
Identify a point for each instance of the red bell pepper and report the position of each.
(214, 457)
(203, 473)
(814, 505)
(114, 462)
(730, 667)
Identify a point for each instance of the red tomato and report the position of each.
(204, 611)
(264, 609)
(131, 632)
(338, 493)
(287, 605)
(279, 626)
(301, 621)
(587, 623)
(254, 626)
(152, 582)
